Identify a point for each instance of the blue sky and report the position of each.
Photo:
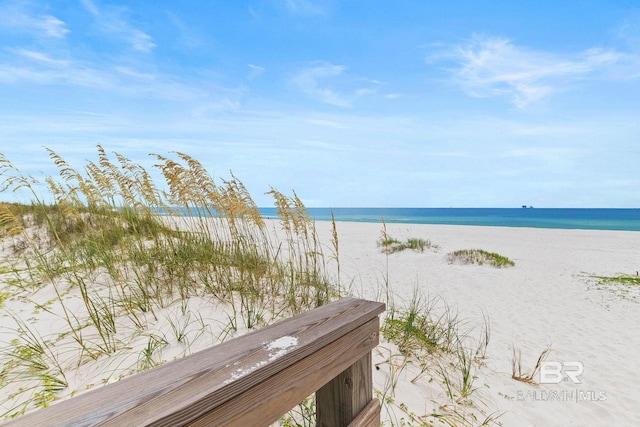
(349, 103)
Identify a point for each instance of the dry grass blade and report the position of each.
(516, 366)
(9, 224)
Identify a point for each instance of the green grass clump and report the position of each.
(421, 328)
(436, 346)
(480, 257)
(391, 245)
(3, 297)
(625, 286)
(624, 279)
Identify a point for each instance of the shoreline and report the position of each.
(405, 223)
(613, 219)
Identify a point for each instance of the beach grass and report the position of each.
(623, 279)
(390, 245)
(623, 286)
(427, 341)
(522, 375)
(425, 326)
(479, 257)
(96, 243)
(125, 267)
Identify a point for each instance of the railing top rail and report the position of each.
(186, 388)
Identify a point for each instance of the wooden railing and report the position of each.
(248, 381)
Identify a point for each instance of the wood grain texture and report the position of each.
(369, 416)
(266, 402)
(341, 399)
(185, 390)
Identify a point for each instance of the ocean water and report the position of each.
(592, 219)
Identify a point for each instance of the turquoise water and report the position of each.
(592, 219)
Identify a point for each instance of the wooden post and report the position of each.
(341, 400)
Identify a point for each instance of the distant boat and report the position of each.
(527, 207)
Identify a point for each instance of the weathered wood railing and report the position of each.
(249, 381)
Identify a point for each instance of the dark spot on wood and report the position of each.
(348, 382)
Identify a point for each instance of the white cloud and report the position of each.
(35, 67)
(255, 71)
(319, 82)
(16, 17)
(110, 20)
(32, 66)
(493, 66)
(629, 30)
(40, 57)
(304, 7)
(141, 41)
(188, 36)
(308, 81)
(90, 6)
(51, 26)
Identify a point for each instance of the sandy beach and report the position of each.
(549, 298)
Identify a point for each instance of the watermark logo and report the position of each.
(561, 395)
(556, 372)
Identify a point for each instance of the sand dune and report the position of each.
(550, 297)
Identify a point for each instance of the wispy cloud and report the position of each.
(20, 66)
(111, 21)
(16, 16)
(318, 82)
(76, 71)
(90, 6)
(493, 66)
(189, 37)
(40, 57)
(304, 7)
(309, 81)
(629, 30)
(255, 71)
(30, 66)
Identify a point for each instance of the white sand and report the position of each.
(547, 298)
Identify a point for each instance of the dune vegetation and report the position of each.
(128, 274)
(479, 257)
(624, 286)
